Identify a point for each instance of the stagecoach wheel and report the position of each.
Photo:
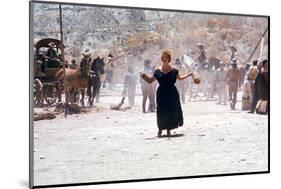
(36, 101)
(51, 99)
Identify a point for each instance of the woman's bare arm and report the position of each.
(147, 78)
(182, 77)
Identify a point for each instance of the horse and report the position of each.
(75, 79)
(191, 66)
(214, 62)
(96, 69)
(206, 71)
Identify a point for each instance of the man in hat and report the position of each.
(261, 88)
(251, 76)
(252, 71)
(220, 76)
(73, 64)
(233, 53)
(181, 85)
(51, 53)
(256, 85)
(233, 75)
(108, 72)
(247, 89)
(85, 62)
(130, 83)
(201, 59)
(264, 96)
(212, 84)
(148, 90)
(51, 58)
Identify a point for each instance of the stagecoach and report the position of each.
(45, 69)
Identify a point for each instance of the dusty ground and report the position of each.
(106, 145)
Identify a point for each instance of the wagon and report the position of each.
(45, 69)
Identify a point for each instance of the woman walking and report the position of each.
(169, 112)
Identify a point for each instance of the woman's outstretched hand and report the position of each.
(190, 74)
(179, 77)
(147, 78)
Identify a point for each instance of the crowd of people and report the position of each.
(256, 87)
(223, 83)
(225, 80)
(167, 94)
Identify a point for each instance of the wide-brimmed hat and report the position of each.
(233, 62)
(233, 47)
(221, 63)
(264, 60)
(52, 44)
(260, 64)
(86, 53)
(200, 45)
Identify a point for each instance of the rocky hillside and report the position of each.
(144, 33)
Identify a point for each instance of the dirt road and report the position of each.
(106, 145)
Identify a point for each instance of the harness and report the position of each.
(94, 71)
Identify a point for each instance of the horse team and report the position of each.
(85, 78)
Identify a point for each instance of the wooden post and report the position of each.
(63, 63)
(261, 47)
(254, 50)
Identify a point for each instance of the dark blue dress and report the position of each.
(169, 112)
